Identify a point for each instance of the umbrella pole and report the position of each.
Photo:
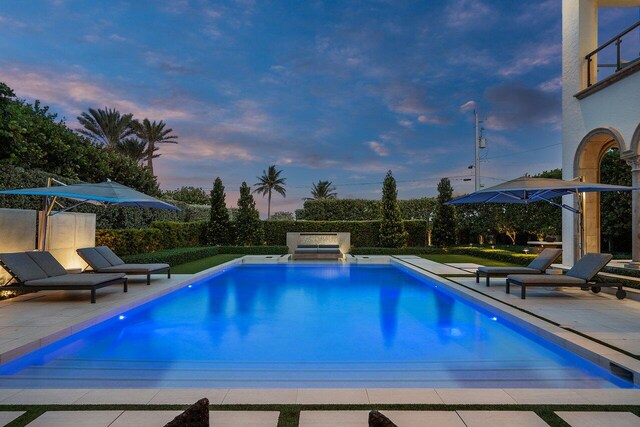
(44, 220)
(581, 221)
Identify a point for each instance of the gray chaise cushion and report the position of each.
(546, 280)
(22, 266)
(300, 250)
(328, 251)
(307, 246)
(75, 280)
(589, 265)
(545, 259)
(109, 255)
(48, 263)
(508, 270)
(93, 258)
(134, 268)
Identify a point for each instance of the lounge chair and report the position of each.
(580, 275)
(537, 266)
(40, 271)
(101, 259)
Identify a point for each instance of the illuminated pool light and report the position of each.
(121, 317)
(494, 319)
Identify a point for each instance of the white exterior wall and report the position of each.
(616, 106)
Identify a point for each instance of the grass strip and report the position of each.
(203, 264)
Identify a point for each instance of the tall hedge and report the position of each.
(362, 210)
(109, 218)
(363, 233)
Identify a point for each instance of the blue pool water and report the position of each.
(306, 326)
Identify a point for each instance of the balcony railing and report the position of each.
(620, 63)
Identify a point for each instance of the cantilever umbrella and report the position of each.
(105, 194)
(527, 190)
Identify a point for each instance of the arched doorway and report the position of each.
(587, 163)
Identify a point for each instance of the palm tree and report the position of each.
(270, 181)
(323, 190)
(153, 133)
(134, 148)
(106, 127)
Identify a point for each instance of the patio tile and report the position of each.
(425, 418)
(244, 418)
(144, 418)
(611, 396)
(6, 393)
(334, 418)
(600, 419)
(7, 416)
(123, 396)
(45, 396)
(260, 396)
(328, 395)
(188, 396)
(546, 396)
(473, 396)
(501, 419)
(75, 419)
(403, 395)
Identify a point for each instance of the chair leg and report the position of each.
(508, 288)
(523, 292)
(169, 274)
(126, 285)
(477, 277)
(148, 279)
(93, 295)
(488, 280)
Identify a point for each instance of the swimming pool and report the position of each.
(327, 325)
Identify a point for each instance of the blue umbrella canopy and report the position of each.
(527, 190)
(104, 193)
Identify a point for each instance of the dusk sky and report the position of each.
(341, 91)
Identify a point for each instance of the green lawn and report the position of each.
(446, 258)
(202, 264)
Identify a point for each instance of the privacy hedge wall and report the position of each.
(109, 218)
(361, 209)
(172, 234)
(130, 240)
(363, 233)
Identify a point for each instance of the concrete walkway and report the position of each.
(323, 418)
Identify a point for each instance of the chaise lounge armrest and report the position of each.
(545, 280)
(134, 268)
(509, 270)
(79, 280)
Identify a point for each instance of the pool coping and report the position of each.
(584, 347)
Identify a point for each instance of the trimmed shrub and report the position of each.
(392, 232)
(173, 256)
(396, 251)
(130, 240)
(362, 210)
(253, 250)
(181, 234)
(113, 217)
(363, 233)
(495, 254)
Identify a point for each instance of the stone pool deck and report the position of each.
(324, 418)
(31, 321)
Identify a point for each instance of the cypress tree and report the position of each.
(219, 228)
(249, 229)
(444, 221)
(392, 232)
